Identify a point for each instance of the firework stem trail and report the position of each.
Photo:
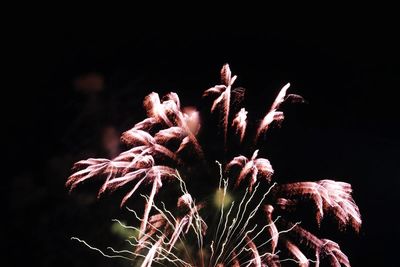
(225, 183)
(240, 242)
(155, 228)
(151, 254)
(100, 251)
(252, 239)
(256, 255)
(244, 210)
(149, 204)
(141, 220)
(226, 222)
(145, 235)
(196, 215)
(157, 258)
(253, 212)
(221, 180)
(226, 114)
(140, 242)
(298, 261)
(234, 221)
(261, 256)
(198, 219)
(166, 211)
(279, 233)
(250, 242)
(241, 218)
(159, 231)
(222, 214)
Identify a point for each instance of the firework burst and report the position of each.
(252, 224)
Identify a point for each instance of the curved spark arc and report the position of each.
(235, 248)
(234, 220)
(101, 252)
(198, 219)
(129, 252)
(159, 231)
(170, 223)
(252, 213)
(223, 183)
(223, 232)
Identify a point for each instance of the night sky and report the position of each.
(349, 129)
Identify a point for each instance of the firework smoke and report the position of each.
(251, 226)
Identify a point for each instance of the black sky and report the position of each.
(349, 129)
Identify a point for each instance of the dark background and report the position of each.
(348, 130)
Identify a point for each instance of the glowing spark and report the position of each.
(273, 114)
(239, 123)
(253, 168)
(224, 98)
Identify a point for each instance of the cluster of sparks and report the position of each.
(158, 148)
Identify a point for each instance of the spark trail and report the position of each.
(255, 218)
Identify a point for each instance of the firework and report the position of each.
(240, 123)
(250, 226)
